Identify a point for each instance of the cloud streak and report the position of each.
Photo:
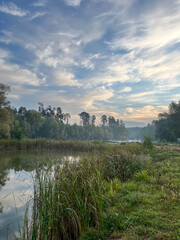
(12, 9)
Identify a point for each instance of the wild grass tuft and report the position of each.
(68, 201)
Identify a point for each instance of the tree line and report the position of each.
(165, 129)
(51, 122)
(168, 125)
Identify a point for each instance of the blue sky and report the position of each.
(114, 57)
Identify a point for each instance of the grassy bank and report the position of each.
(46, 144)
(127, 192)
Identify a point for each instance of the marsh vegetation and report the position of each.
(118, 192)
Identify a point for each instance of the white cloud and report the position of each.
(18, 91)
(6, 36)
(156, 28)
(150, 38)
(146, 113)
(37, 14)
(89, 61)
(142, 94)
(39, 3)
(126, 90)
(76, 102)
(73, 3)
(4, 54)
(117, 69)
(12, 9)
(63, 78)
(13, 74)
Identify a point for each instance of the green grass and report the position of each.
(115, 192)
(148, 205)
(47, 144)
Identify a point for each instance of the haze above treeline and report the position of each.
(50, 122)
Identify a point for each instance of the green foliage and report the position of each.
(147, 143)
(167, 127)
(4, 90)
(6, 116)
(122, 166)
(17, 133)
(141, 176)
(113, 187)
(48, 123)
(94, 234)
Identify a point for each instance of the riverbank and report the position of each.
(121, 192)
(46, 144)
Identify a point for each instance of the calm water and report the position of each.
(17, 171)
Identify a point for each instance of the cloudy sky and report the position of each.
(114, 57)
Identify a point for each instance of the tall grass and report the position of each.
(67, 201)
(121, 166)
(90, 198)
(47, 144)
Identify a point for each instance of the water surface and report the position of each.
(17, 172)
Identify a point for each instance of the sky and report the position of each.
(115, 57)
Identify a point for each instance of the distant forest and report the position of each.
(50, 122)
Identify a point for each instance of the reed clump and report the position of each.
(67, 200)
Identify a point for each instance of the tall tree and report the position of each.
(168, 125)
(35, 121)
(6, 114)
(93, 119)
(41, 109)
(59, 114)
(22, 111)
(104, 119)
(85, 117)
(4, 90)
(111, 121)
(66, 117)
